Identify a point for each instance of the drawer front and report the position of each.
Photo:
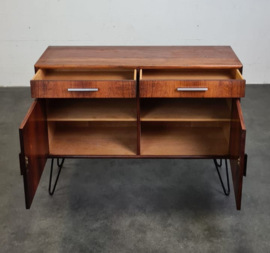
(83, 89)
(192, 88)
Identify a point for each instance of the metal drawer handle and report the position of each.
(192, 89)
(80, 89)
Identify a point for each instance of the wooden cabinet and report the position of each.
(134, 102)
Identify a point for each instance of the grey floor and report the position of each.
(136, 205)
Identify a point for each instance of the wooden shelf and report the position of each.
(186, 141)
(91, 110)
(103, 140)
(189, 74)
(195, 109)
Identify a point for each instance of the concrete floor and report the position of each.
(136, 205)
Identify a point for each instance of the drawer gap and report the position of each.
(85, 74)
(190, 74)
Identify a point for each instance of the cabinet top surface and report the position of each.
(138, 57)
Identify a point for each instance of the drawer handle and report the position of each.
(80, 89)
(192, 89)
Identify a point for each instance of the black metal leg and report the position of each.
(226, 192)
(220, 163)
(60, 165)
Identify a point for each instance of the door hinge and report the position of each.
(238, 161)
(26, 161)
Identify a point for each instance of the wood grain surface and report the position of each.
(174, 109)
(106, 89)
(237, 150)
(216, 88)
(99, 140)
(138, 57)
(91, 109)
(186, 141)
(34, 148)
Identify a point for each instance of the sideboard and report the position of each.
(174, 102)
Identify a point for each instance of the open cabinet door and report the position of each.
(34, 148)
(237, 150)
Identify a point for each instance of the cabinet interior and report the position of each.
(193, 126)
(109, 109)
(188, 127)
(92, 126)
(92, 138)
(185, 109)
(185, 138)
(190, 74)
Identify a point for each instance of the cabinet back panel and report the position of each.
(185, 138)
(92, 109)
(192, 109)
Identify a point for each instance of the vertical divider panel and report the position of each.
(138, 112)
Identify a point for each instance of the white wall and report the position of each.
(27, 27)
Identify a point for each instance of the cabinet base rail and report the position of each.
(217, 165)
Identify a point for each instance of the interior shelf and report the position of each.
(190, 74)
(92, 139)
(195, 109)
(185, 140)
(91, 110)
(85, 74)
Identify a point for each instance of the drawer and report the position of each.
(222, 83)
(85, 83)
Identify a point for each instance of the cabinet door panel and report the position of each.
(34, 148)
(237, 150)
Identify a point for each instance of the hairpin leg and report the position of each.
(60, 165)
(219, 165)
